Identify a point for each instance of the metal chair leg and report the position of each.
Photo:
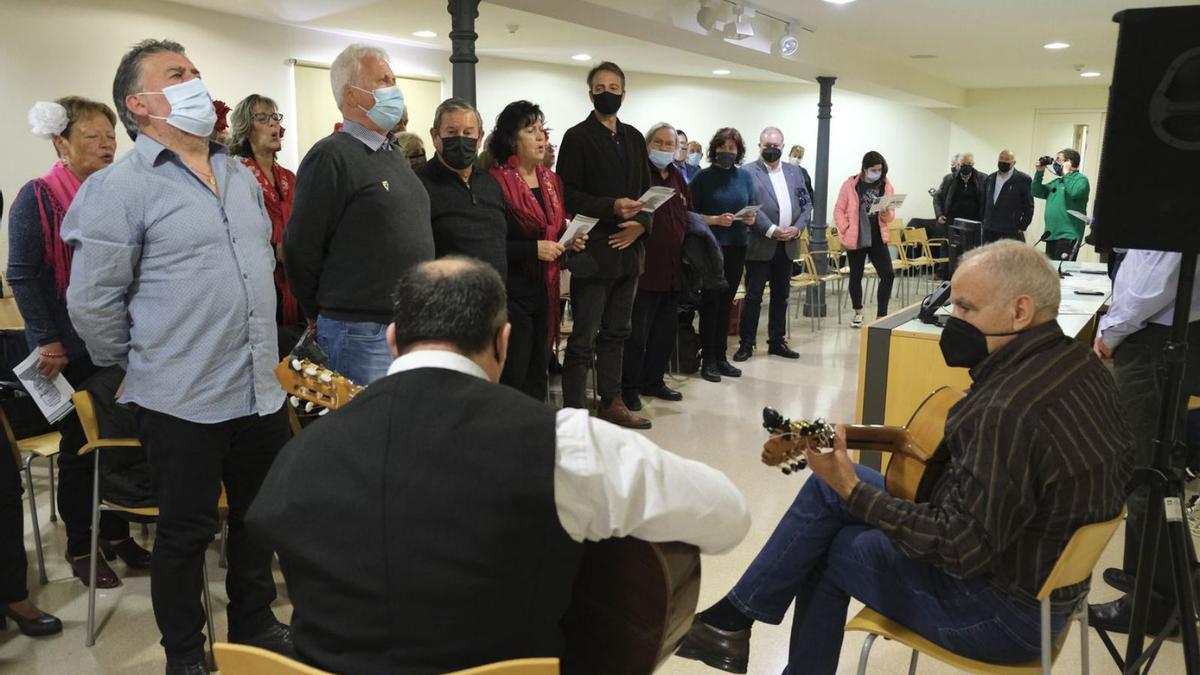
(208, 614)
(865, 653)
(37, 528)
(1047, 662)
(93, 552)
(1083, 638)
(53, 499)
(912, 663)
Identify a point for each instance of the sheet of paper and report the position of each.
(887, 202)
(655, 197)
(53, 397)
(746, 212)
(579, 225)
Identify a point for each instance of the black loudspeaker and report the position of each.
(1152, 135)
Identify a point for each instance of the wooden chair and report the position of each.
(514, 667)
(42, 446)
(1073, 566)
(245, 660)
(807, 278)
(832, 273)
(86, 410)
(924, 259)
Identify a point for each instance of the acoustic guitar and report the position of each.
(911, 446)
(633, 600)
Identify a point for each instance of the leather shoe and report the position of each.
(721, 649)
(46, 624)
(727, 369)
(105, 576)
(1119, 579)
(662, 391)
(618, 414)
(187, 668)
(277, 638)
(1114, 617)
(743, 353)
(782, 349)
(127, 550)
(709, 372)
(631, 400)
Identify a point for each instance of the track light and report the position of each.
(710, 12)
(789, 44)
(741, 27)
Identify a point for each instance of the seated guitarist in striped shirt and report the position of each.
(1038, 448)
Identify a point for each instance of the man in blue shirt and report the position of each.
(172, 280)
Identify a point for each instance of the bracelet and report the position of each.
(61, 355)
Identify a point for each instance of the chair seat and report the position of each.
(44, 445)
(870, 621)
(148, 511)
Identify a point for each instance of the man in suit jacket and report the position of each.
(963, 195)
(604, 167)
(464, 503)
(773, 244)
(1007, 201)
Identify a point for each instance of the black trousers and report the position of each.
(75, 478)
(716, 305)
(995, 235)
(1057, 248)
(13, 563)
(601, 309)
(777, 271)
(525, 368)
(881, 258)
(1139, 369)
(651, 340)
(190, 461)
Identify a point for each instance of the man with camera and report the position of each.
(1068, 191)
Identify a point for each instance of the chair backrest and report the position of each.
(86, 410)
(1079, 557)
(245, 660)
(916, 235)
(514, 667)
(11, 437)
(834, 245)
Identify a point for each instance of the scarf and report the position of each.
(278, 200)
(536, 222)
(58, 187)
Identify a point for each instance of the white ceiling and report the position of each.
(867, 44)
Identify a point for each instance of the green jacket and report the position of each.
(1064, 193)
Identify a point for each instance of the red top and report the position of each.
(664, 246)
(278, 199)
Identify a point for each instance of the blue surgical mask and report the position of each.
(1058, 168)
(661, 158)
(694, 159)
(873, 176)
(388, 108)
(192, 109)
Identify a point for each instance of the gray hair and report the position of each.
(348, 65)
(128, 80)
(409, 142)
(659, 127)
(452, 105)
(770, 130)
(241, 122)
(1018, 269)
(962, 156)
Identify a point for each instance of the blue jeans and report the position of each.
(820, 555)
(356, 349)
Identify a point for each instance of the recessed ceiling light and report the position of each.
(722, 71)
(582, 57)
(839, 2)
(923, 56)
(1055, 45)
(1089, 73)
(425, 34)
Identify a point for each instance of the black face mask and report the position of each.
(966, 169)
(417, 161)
(725, 160)
(1004, 166)
(606, 102)
(771, 155)
(458, 152)
(964, 345)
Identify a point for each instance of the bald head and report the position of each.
(458, 303)
(1013, 269)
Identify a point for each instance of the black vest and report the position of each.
(441, 486)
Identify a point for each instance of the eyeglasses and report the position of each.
(263, 118)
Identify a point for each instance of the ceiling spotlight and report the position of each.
(425, 34)
(1055, 45)
(839, 2)
(710, 12)
(582, 57)
(740, 27)
(1089, 73)
(788, 44)
(722, 71)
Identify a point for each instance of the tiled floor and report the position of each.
(716, 423)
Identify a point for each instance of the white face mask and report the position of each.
(192, 109)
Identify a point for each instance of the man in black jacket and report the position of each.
(963, 197)
(604, 168)
(1007, 201)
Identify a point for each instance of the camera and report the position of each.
(1045, 160)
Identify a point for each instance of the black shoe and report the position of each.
(632, 400)
(187, 668)
(721, 649)
(1114, 617)
(1119, 579)
(662, 391)
(129, 551)
(710, 372)
(781, 349)
(743, 353)
(46, 624)
(277, 638)
(726, 369)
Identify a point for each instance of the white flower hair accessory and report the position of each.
(47, 119)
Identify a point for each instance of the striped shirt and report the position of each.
(1038, 448)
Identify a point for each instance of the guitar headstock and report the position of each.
(317, 385)
(786, 450)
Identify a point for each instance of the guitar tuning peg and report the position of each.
(308, 407)
(327, 377)
(294, 401)
(310, 371)
(324, 411)
(295, 364)
(786, 471)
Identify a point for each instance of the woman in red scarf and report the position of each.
(255, 138)
(39, 268)
(533, 196)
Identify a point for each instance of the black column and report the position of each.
(814, 297)
(462, 46)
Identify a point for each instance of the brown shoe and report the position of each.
(105, 576)
(725, 650)
(618, 414)
(721, 649)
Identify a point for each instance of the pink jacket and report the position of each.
(845, 213)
